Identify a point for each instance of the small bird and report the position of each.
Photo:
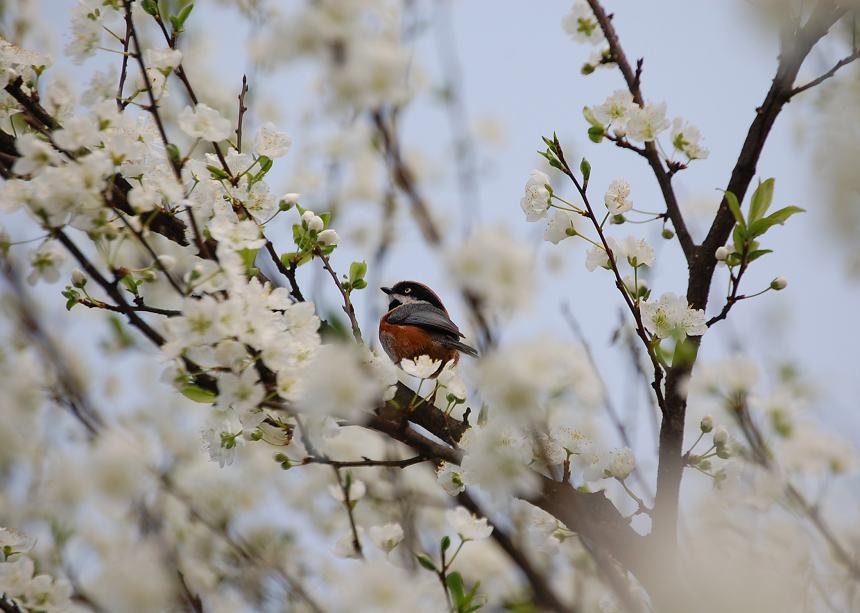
(417, 323)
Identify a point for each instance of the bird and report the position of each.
(417, 323)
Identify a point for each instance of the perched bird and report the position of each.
(417, 324)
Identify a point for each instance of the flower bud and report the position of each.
(721, 254)
(778, 283)
(329, 237)
(721, 436)
(313, 221)
(79, 279)
(288, 201)
(707, 424)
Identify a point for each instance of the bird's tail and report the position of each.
(461, 347)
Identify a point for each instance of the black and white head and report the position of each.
(410, 292)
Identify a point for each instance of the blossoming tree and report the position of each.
(331, 479)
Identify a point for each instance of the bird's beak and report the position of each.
(386, 290)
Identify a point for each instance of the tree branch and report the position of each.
(664, 177)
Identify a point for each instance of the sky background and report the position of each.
(711, 62)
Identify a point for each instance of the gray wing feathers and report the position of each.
(455, 344)
(424, 316)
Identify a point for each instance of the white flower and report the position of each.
(16, 576)
(48, 595)
(721, 435)
(616, 109)
(46, 262)
(561, 225)
(645, 124)
(329, 237)
(672, 316)
(617, 198)
(621, 463)
(496, 268)
(12, 540)
(221, 443)
(345, 547)
(582, 25)
(235, 234)
(450, 477)
(313, 221)
(536, 200)
(357, 489)
(386, 537)
(242, 393)
(422, 367)
(204, 122)
(162, 59)
(35, 154)
(637, 251)
(469, 527)
(685, 138)
(338, 382)
(597, 256)
(270, 142)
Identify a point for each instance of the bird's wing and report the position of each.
(424, 316)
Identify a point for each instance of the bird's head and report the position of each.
(408, 292)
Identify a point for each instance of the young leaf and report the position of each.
(425, 561)
(199, 394)
(357, 270)
(761, 199)
(585, 169)
(595, 133)
(735, 208)
(754, 255)
(761, 226)
(458, 589)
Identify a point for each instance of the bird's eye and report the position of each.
(408, 290)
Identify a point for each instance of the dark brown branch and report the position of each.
(140, 308)
(670, 467)
(664, 178)
(366, 462)
(347, 303)
(123, 73)
(242, 109)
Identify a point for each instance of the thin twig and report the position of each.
(844, 61)
(347, 303)
(242, 109)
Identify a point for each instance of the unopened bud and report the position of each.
(778, 283)
(79, 279)
(721, 436)
(707, 423)
(721, 253)
(288, 201)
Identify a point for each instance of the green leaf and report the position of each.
(360, 284)
(761, 199)
(249, 256)
(73, 298)
(425, 561)
(754, 255)
(445, 543)
(585, 169)
(761, 226)
(596, 133)
(150, 7)
(173, 153)
(739, 239)
(184, 13)
(326, 217)
(357, 270)
(199, 394)
(458, 589)
(217, 173)
(735, 208)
